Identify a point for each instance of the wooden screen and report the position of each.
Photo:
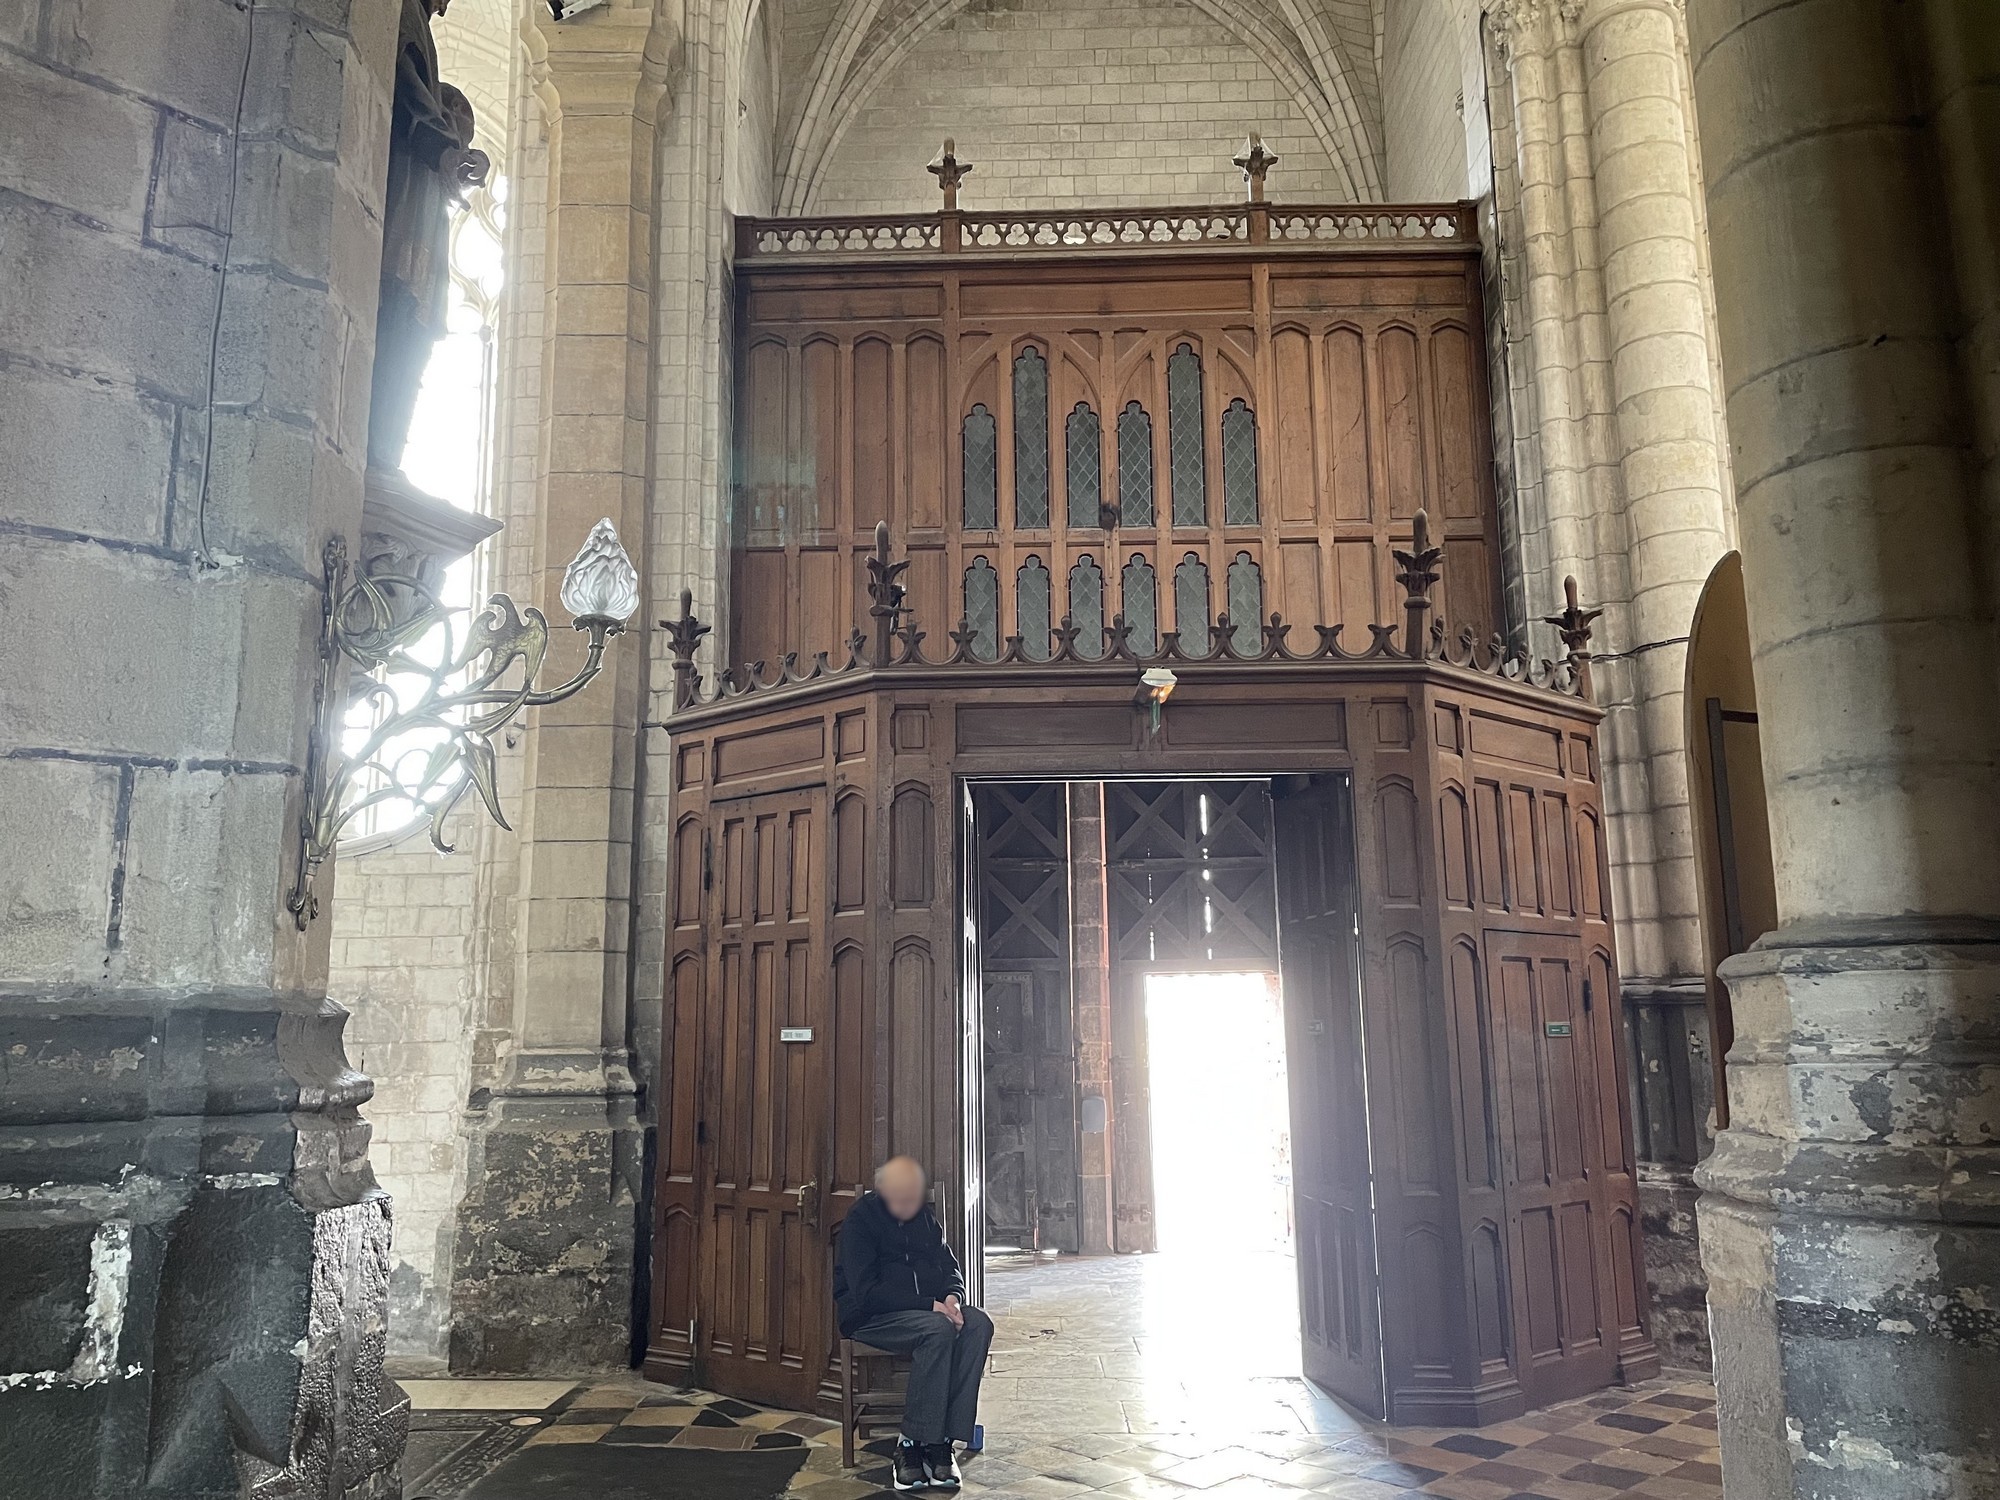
(1187, 436)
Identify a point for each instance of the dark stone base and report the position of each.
(1674, 1275)
(551, 1235)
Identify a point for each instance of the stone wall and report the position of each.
(1425, 48)
(1067, 105)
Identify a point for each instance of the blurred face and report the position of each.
(902, 1188)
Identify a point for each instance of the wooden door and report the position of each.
(1318, 953)
(1550, 1125)
(765, 1294)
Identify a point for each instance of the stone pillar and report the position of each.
(195, 1248)
(1090, 991)
(1851, 1216)
(552, 1288)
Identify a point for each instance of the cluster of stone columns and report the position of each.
(1851, 1221)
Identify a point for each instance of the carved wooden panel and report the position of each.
(1167, 441)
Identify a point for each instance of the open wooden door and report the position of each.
(764, 1094)
(1318, 944)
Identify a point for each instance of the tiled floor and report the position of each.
(1102, 1382)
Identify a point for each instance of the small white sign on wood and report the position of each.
(795, 1033)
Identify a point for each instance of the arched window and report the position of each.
(1246, 605)
(1140, 591)
(981, 445)
(1083, 451)
(1135, 466)
(982, 608)
(1031, 439)
(1191, 617)
(1239, 465)
(1031, 608)
(1186, 462)
(1086, 606)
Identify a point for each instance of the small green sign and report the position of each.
(1555, 1028)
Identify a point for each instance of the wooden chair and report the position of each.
(868, 1408)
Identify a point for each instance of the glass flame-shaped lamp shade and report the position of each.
(600, 583)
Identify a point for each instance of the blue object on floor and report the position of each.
(978, 1443)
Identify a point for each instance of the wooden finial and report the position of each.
(950, 172)
(1256, 161)
(885, 593)
(683, 636)
(1417, 570)
(1573, 625)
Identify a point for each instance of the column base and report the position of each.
(546, 1274)
(1850, 1217)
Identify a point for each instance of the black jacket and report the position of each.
(887, 1265)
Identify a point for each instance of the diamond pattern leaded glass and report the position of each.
(1086, 607)
(1185, 463)
(1142, 606)
(982, 608)
(1239, 465)
(981, 440)
(1031, 439)
(1246, 605)
(1083, 446)
(1191, 603)
(1135, 466)
(1031, 608)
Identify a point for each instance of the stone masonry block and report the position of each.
(82, 456)
(190, 208)
(187, 54)
(74, 145)
(57, 854)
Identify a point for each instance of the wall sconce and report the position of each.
(1156, 685)
(433, 738)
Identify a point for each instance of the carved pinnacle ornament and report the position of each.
(950, 172)
(1573, 625)
(1417, 571)
(1256, 161)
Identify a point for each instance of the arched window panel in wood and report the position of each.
(981, 444)
(1139, 589)
(982, 608)
(1135, 466)
(1031, 439)
(1191, 615)
(1031, 608)
(1239, 465)
(1246, 604)
(1086, 606)
(1083, 453)
(1187, 462)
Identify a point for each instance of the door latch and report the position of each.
(808, 1195)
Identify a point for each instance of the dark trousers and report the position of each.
(946, 1363)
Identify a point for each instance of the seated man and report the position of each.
(898, 1286)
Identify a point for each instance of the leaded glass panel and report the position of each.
(1239, 465)
(982, 608)
(981, 445)
(1086, 607)
(1142, 605)
(1135, 466)
(1031, 608)
(1083, 447)
(1246, 605)
(1031, 439)
(1191, 617)
(1186, 465)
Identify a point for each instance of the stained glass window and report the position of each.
(1086, 607)
(1246, 605)
(1135, 466)
(1031, 439)
(1239, 465)
(982, 608)
(1031, 608)
(982, 448)
(1185, 462)
(1142, 607)
(1191, 603)
(1083, 447)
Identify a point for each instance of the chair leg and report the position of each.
(846, 1404)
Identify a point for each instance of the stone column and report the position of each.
(552, 1289)
(195, 1250)
(1851, 1217)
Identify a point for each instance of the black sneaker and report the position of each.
(907, 1467)
(941, 1466)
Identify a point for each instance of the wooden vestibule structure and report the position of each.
(992, 467)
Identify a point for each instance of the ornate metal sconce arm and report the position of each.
(433, 737)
